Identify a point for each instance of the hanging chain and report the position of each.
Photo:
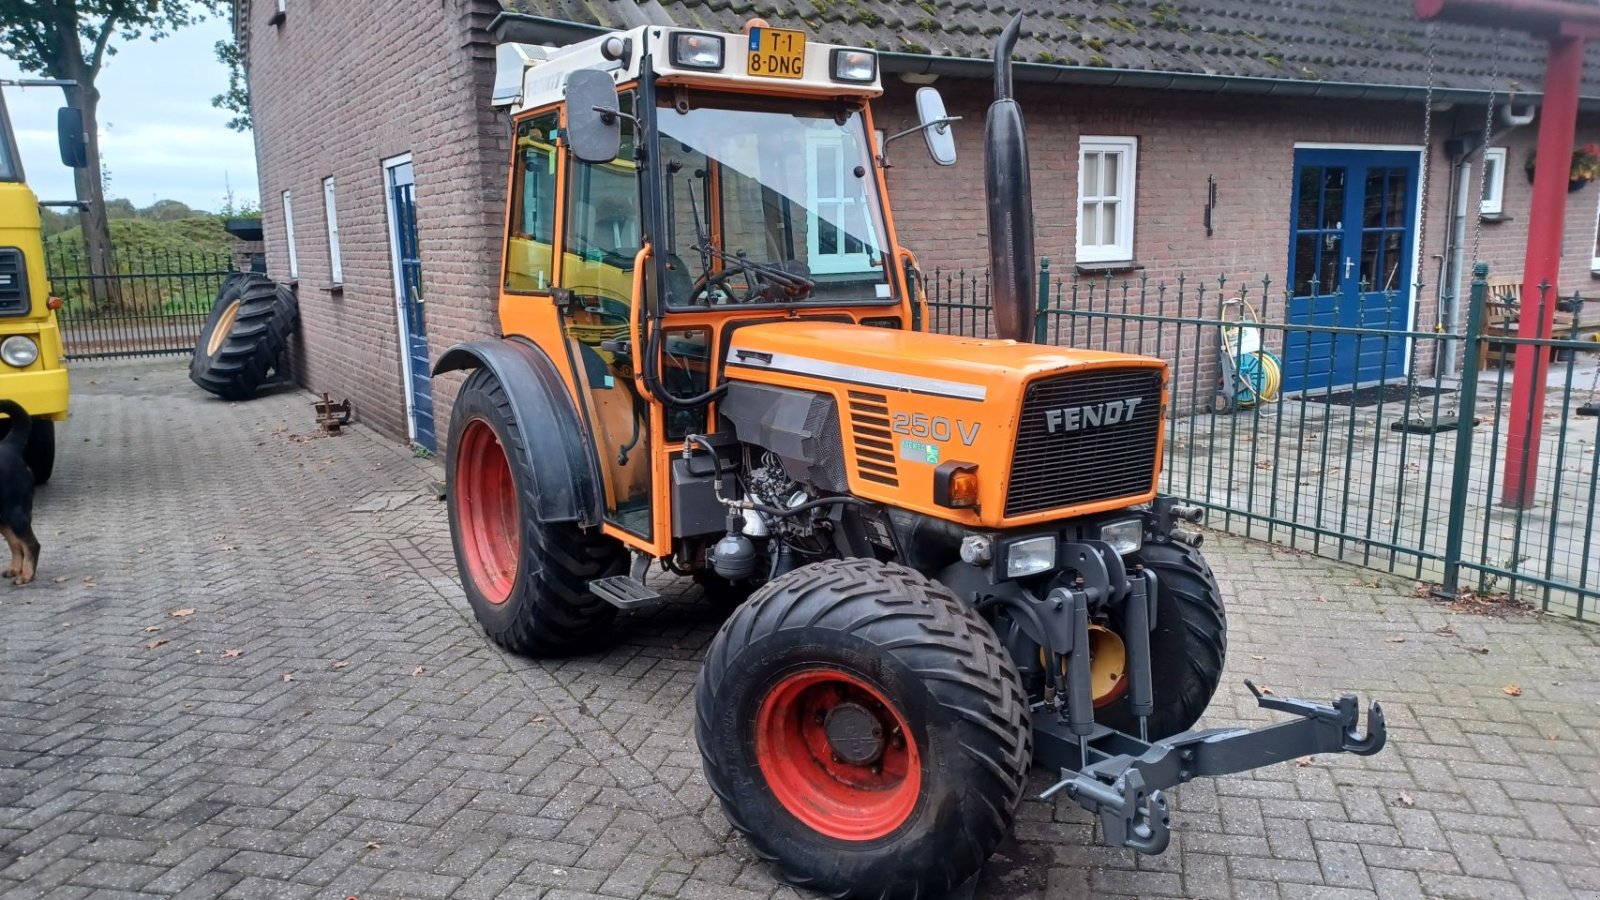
(1488, 135)
(1427, 155)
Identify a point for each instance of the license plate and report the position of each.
(777, 53)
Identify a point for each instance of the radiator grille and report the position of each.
(874, 442)
(1089, 462)
(13, 283)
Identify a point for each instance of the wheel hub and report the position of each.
(854, 733)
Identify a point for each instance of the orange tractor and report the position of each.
(945, 558)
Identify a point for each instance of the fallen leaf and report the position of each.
(151, 645)
(1405, 800)
(373, 845)
(1511, 690)
(1398, 639)
(341, 663)
(66, 624)
(538, 720)
(1265, 690)
(1304, 761)
(1320, 599)
(1552, 736)
(417, 671)
(180, 613)
(61, 579)
(230, 654)
(1481, 651)
(1257, 657)
(151, 628)
(1446, 629)
(288, 676)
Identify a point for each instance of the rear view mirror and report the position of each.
(936, 126)
(594, 125)
(70, 137)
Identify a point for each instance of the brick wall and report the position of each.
(337, 88)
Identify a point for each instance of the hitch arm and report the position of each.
(1125, 788)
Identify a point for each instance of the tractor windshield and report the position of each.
(769, 202)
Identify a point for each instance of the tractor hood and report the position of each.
(977, 369)
(1054, 432)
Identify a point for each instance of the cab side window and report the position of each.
(602, 234)
(530, 250)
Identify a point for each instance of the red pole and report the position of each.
(1558, 115)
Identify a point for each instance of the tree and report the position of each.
(71, 39)
(236, 99)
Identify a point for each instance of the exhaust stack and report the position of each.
(1010, 196)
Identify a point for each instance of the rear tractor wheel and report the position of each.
(244, 337)
(528, 583)
(864, 730)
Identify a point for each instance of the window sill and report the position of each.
(336, 289)
(1109, 268)
(278, 17)
(1493, 218)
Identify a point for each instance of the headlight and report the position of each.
(1125, 536)
(691, 50)
(1031, 556)
(854, 65)
(19, 350)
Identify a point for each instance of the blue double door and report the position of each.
(1352, 242)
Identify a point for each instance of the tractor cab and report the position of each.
(944, 559)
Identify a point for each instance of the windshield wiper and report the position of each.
(770, 271)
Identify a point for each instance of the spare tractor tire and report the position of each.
(244, 337)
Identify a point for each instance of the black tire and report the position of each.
(937, 666)
(1187, 647)
(244, 337)
(40, 453)
(547, 609)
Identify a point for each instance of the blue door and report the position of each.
(1351, 242)
(413, 322)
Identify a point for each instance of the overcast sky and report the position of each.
(159, 134)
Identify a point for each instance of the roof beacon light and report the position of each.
(860, 66)
(694, 50)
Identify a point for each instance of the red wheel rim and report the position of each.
(486, 507)
(860, 794)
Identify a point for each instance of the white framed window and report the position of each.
(1106, 182)
(288, 233)
(335, 263)
(1494, 182)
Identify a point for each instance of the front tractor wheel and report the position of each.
(864, 730)
(528, 584)
(1187, 646)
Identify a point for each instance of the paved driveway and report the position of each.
(328, 722)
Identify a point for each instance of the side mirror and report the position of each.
(594, 125)
(936, 126)
(70, 137)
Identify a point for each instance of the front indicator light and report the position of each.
(1125, 537)
(955, 485)
(19, 350)
(1031, 556)
(860, 66)
(691, 50)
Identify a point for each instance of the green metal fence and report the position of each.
(154, 305)
(1404, 471)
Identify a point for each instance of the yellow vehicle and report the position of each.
(32, 371)
(945, 558)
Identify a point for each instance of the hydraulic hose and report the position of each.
(779, 512)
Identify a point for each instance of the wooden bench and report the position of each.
(1503, 309)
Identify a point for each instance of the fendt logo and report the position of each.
(1095, 415)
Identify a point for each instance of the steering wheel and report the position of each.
(704, 284)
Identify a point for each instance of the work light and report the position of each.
(1030, 556)
(860, 66)
(1124, 536)
(694, 50)
(19, 350)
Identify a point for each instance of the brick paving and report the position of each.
(328, 721)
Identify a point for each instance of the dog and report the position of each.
(16, 497)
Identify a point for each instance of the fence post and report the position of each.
(1461, 475)
(1041, 324)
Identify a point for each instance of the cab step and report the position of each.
(624, 592)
